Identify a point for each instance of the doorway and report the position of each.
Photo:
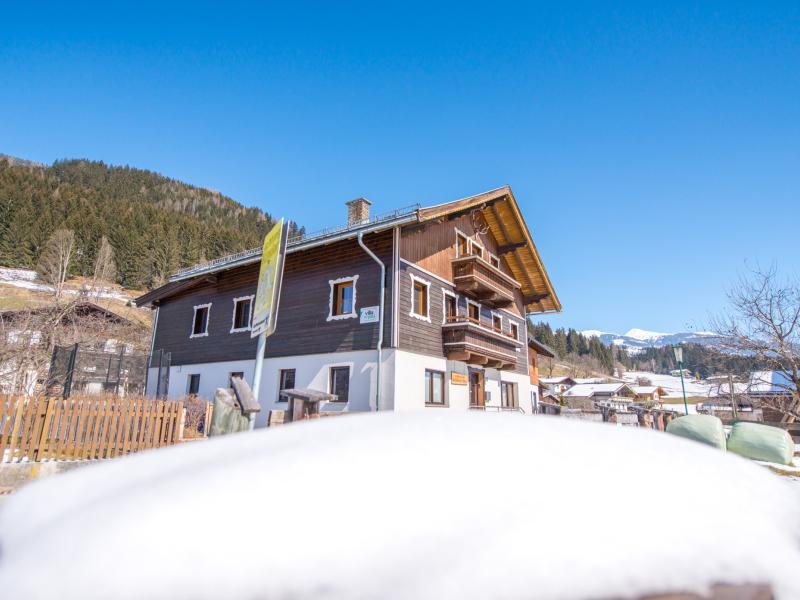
(476, 387)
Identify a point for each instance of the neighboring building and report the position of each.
(461, 277)
(557, 385)
(30, 336)
(535, 350)
(648, 393)
(769, 384)
(587, 396)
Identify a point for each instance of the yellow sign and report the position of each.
(265, 311)
(458, 378)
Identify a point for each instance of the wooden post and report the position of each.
(733, 397)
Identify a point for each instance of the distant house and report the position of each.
(587, 396)
(557, 385)
(687, 374)
(648, 393)
(769, 384)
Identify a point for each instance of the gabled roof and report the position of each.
(770, 382)
(498, 207)
(557, 380)
(647, 390)
(540, 348)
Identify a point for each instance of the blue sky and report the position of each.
(654, 149)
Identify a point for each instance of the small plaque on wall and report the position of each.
(369, 314)
(458, 378)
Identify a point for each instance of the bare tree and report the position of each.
(55, 259)
(764, 322)
(104, 268)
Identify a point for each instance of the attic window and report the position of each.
(513, 331)
(477, 249)
(342, 301)
(462, 244)
(200, 320)
(494, 260)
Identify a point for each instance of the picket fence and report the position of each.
(85, 428)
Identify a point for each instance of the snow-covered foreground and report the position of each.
(425, 505)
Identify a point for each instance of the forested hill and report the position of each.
(155, 225)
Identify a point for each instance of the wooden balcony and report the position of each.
(474, 343)
(483, 281)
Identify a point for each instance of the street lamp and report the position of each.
(679, 358)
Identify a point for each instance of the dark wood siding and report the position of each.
(302, 321)
(422, 337)
(433, 246)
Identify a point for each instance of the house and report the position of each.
(32, 337)
(535, 350)
(587, 396)
(460, 279)
(648, 393)
(557, 385)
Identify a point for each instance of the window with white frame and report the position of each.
(513, 330)
(342, 300)
(476, 249)
(508, 394)
(462, 244)
(202, 312)
(434, 387)
(497, 322)
(420, 298)
(494, 260)
(449, 306)
(242, 314)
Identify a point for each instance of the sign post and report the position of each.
(265, 310)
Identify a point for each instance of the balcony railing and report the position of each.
(483, 281)
(469, 341)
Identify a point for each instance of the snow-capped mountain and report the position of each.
(637, 339)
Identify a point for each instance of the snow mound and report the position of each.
(404, 506)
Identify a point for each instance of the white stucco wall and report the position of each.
(403, 380)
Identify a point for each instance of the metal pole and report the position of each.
(683, 387)
(380, 318)
(734, 408)
(262, 346)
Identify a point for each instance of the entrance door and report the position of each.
(476, 395)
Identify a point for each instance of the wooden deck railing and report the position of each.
(85, 428)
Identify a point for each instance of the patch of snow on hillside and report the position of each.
(593, 333)
(142, 520)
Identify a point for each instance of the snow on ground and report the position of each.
(404, 506)
(26, 279)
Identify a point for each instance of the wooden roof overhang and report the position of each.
(501, 212)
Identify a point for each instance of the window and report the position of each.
(494, 260)
(462, 244)
(239, 374)
(450, 308)
(340, 383)
(508, 394)
(242, 314)
(286, 382)
(477, 249)
(513, 330)
(497, 322)
(193, 387)
(200, 320)
(474, 311)
(342, 302)
(420, 298)
(434, 387)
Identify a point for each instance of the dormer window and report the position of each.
(200, 320)
(242, 314)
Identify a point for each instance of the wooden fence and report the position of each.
(85, 428)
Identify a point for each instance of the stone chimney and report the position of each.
(358, 211)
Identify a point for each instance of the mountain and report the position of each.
(636, 340)
(155, 224)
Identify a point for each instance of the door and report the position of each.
(476, 395)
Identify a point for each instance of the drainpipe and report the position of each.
(380, 317)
